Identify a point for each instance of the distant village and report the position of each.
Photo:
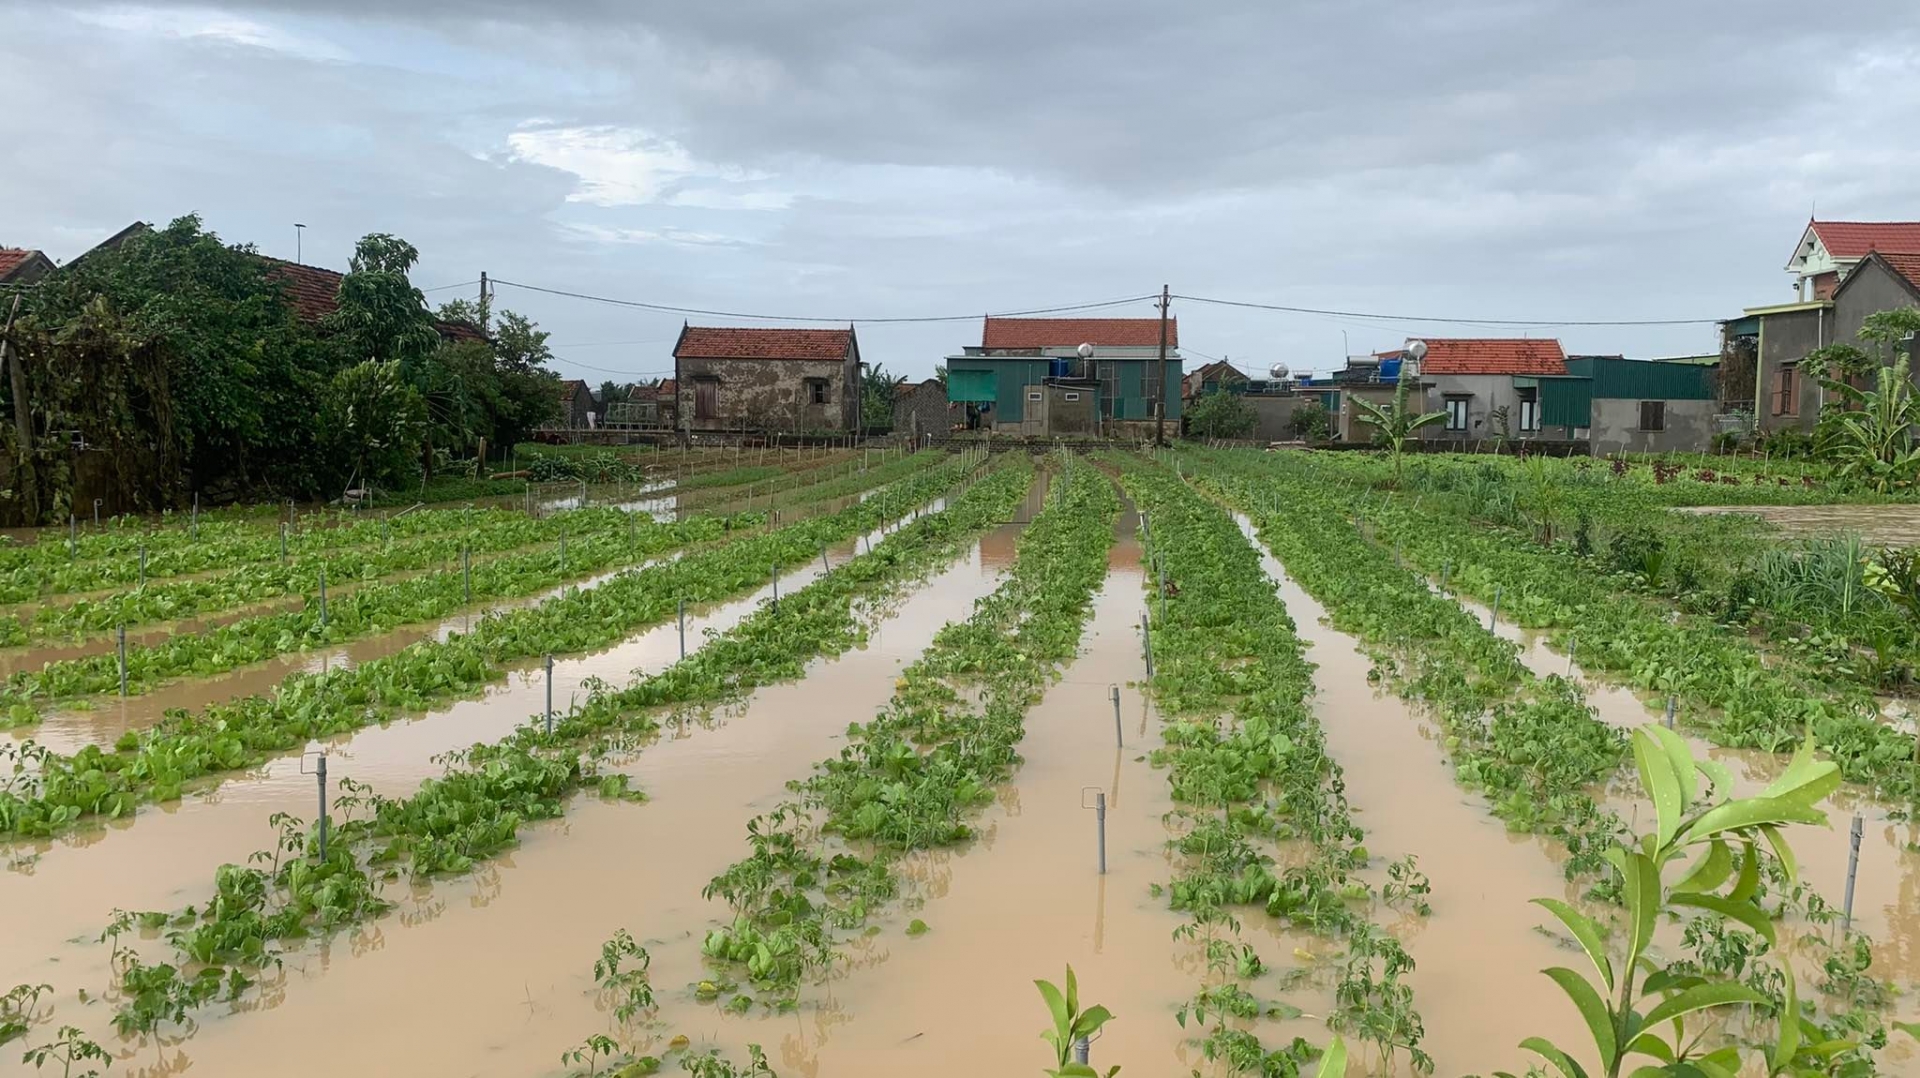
(1126, 379)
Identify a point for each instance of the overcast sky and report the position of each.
(1525, 159)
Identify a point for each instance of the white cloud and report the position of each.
(679, 237)
(624, 166)
(203, 23)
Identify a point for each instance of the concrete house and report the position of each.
(1621, 405)
(1216, 376)
(1483, 382)
(731, 378)
(1845, 271)
(576, 405)
(1027, 377)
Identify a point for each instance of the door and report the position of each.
(706, 398)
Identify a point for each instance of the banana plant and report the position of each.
(1070, 1023)
(1634, 1007)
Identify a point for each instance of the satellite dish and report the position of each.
(1085, 350)
(1278, 372)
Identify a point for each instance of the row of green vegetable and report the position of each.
(141, 556)
(1733, 690)
(372, 608)
(1529, 744)
(1248, 764)
(914, 776)
(49, 791)
(254, 582)
(491, 792)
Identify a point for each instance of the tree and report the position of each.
(1397, 422)
(878, 390)
(375, 419)
(1867, 432)
(1221, 415)
(381, 316)
(940, 375)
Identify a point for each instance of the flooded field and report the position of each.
(905, 885)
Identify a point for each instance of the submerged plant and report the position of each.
(1071, 1025)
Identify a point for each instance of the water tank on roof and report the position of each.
(1278, 371)
(1060, 368)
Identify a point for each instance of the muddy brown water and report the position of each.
(1476, 982)
(494, 971)
(1887, 884)
(1880, 525)
(63, 890)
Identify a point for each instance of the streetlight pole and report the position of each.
(1160, 376)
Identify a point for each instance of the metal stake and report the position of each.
(321, 772)
(549, 693)
(283, 544)
(123, 660)
(563, 550)
(1118, 740)
(1853, 867)
(1493, 617)
(194, 528)
(1082, 1050)
(773, 574)
(96, 512)
(824, 567)
(323, 598)
(1573, 647)
(143, 565)
(1672, 702)
(466, 573)
(683, 628)
(1146, 637)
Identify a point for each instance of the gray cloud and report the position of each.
(853, 157)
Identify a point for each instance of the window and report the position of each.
(1782, 392)
(816, 391)
(1653, 415)
(1070, 396)
(1457, 413)
(1033, 396)
(1529, 411)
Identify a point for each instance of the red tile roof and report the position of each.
(667, 389)
(731, 342)
(314, 292)
(1853, 239)
(12, 258)
(1492, 355)
(571, 387)
(1906, 265)
(1071, 332)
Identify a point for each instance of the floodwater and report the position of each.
(64, 892)
(493, 972)
(1880, 525)
(1887, 883)
(1476, 982)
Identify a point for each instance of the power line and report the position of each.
(1455, 321)
(669, 309)
(462, 284)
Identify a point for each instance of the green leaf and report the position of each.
(1718, 774)
(1781, 850)
(1911, 1029)
(1806, 781)
(1333, 1062)
(1745, 912)
(1680, 758)
(1592, 1008)
(1640, 890)
(1788, 1044)
(1656, 775)
(1073, 992)
(1586, 932)
(1750, 812)
(1710, 871)
(1650, 1044)
(1748, 884)
(1567, 1064)
(1720, 1063)
(1090, 1021)
(1056, 1003)
(1700, 998)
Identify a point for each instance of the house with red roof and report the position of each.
(733, 378)
(1844, 272)
(1047, 377)
(1489, 387)
(21, 266)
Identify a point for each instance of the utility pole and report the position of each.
(485, 315)
(1160, 375)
